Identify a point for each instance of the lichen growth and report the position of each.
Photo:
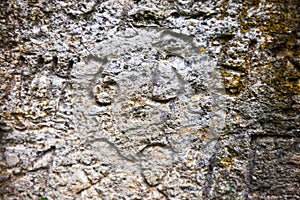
(225, 162)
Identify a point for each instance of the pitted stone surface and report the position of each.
(274, 158)
(119, 99)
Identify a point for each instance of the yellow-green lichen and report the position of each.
(225, 162)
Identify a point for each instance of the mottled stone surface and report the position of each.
(274, 158)
(119, 99)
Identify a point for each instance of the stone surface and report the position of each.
(274, 158)
(149, 99)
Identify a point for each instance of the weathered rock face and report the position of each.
(149, 99)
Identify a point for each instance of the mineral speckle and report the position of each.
(149, 99)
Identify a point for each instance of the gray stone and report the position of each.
(149, 99)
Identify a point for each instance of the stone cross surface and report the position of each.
(149, 99)
(128, 100)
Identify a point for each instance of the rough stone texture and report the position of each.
(148, 99)
(272, 156)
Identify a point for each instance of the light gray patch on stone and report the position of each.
(150, 88)
(156, 161)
